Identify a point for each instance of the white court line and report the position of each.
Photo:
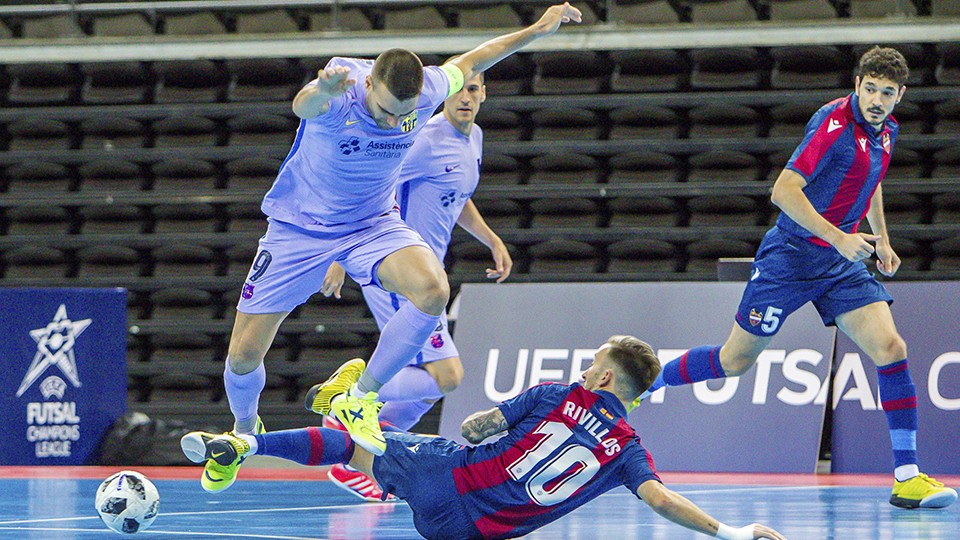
(239, 511)
(179, 534)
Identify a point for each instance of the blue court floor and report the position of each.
(57, 503)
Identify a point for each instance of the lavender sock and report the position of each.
(243, 393)
(400, 340)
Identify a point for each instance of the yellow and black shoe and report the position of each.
(318, 398)
(359, 414)
(224, 455)
(921, 491)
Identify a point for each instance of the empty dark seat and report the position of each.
(563, 256)
(263, 79)
(184, 218)
(110, 176)
(511, 76)
(265, 21)
(565, 123)
(946, 208)
(725, 68)
(723, 165)
(946, 255)
(903, 208)
(642, 255)
(39, 134)
(190, 81)
(182, 304)
(500, 124)
(790, 119)
(252, 173)
(948, 117)
(38, 177)
(723, 210)
(647, 70)
(904, 164)
(184, 175)
(113, 219)
(947, 163)
(580, 72)
(643, 211)
(484, 15)
(185, 131)
(122, 24)
(115, 83)
(49, 220)
(566, 212)
(810, 67)
(43, 84)
(108, 132)
(34, 262)
(108, 261)
(568, 168)
(262, 129)
(467, 261)
(726, 120)
(500, 213)
(644, 122)
(640, 167)
(948, 68)
(801, 10)
(500, 169)
(183, 260)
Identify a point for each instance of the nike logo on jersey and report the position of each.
(756, 274)
(834, 125)
(862, 141)
(450, 168)
(350, 122)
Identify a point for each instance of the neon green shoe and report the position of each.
(360, 415)
(319, 397)
(921, 491)
(218, 473)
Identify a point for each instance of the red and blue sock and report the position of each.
(898, 396)
(697, 364)
(311, 446)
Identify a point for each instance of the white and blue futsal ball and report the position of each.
(127, 502)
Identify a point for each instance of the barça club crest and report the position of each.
(409, 123)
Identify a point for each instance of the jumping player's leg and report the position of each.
(243, 375)
(872, 328)
(414, 273)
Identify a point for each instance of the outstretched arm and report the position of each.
(471, 220)
(478, 60)
(482, 424)
(681, 511)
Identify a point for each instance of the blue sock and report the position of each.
(400, 340)
(310, 446)
(404, 414)
(697, 364)
(243, 394)
(410, 383)
(898, 396)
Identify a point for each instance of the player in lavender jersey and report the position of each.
(333, 201)
(437, 180)
(562, 446)
(815, 254)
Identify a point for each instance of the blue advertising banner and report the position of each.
(926, 317)
(64, 362)
(513, 336)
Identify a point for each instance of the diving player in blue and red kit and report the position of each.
(564, 446)
(333, 200)
(814, 254)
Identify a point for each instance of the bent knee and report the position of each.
(450, 381)
(431, 296)
(893, 350)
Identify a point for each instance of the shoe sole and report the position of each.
(194, 447)
(346, 487)
(318, 398)
(938, 500)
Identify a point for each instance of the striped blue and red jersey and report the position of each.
(843, 159)
(565, 446)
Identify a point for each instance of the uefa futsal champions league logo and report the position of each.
(55, 348)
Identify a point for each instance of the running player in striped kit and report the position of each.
(815, 254)
(562, 446)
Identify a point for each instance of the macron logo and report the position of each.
(862, 141)
(834, 125)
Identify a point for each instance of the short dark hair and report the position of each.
(401, 71)
(884, 62)
(637, 362)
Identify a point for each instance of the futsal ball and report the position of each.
(127, 502)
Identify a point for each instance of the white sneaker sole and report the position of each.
(193, 447)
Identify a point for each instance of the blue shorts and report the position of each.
(384, 304)
(419, 470)
(790, 271)
(291, 262)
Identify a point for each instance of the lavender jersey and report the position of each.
(437, 179)
(343, 168)
(565, 446)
